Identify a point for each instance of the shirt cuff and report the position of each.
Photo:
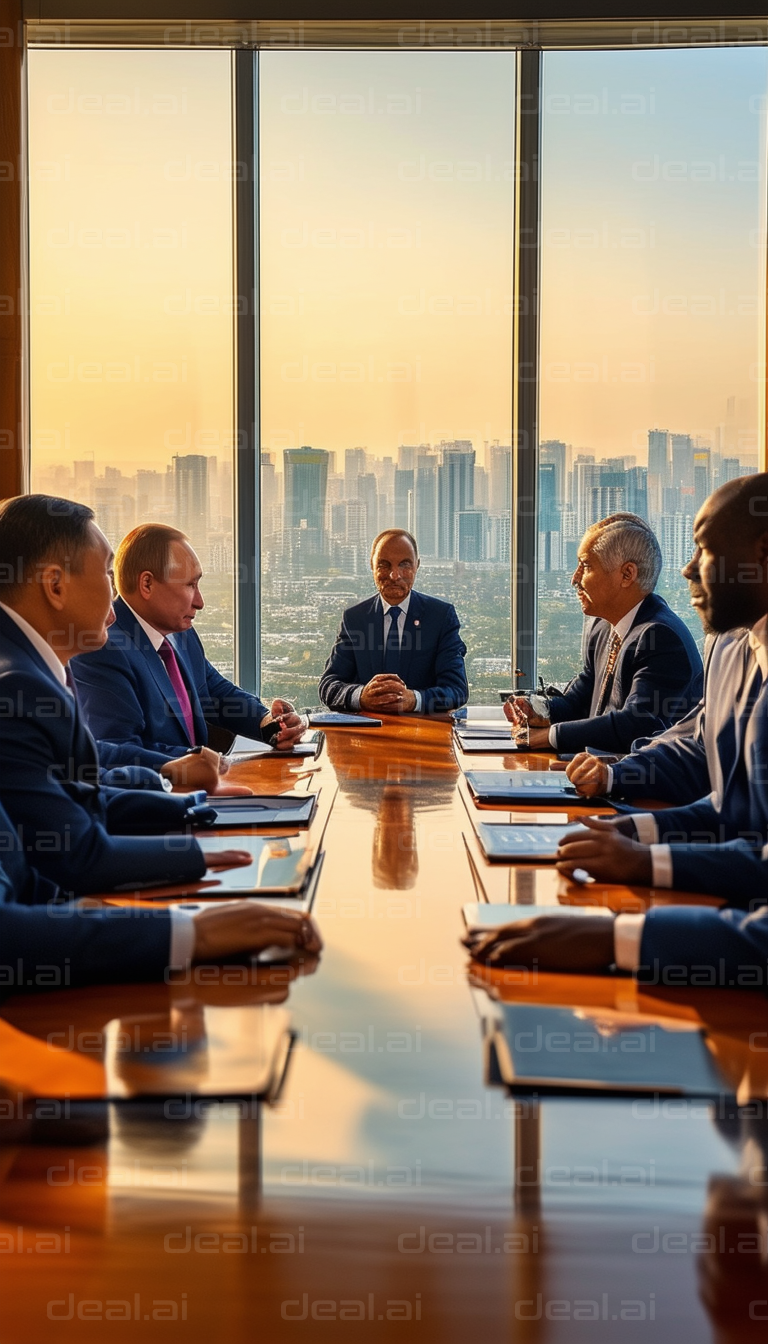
(627, 936)
(661, 863)
(609, 782)
(417, 707)
(552, 736)
(645, 827)
(182, 940)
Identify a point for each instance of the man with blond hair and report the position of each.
(150, 694)
(642, 670)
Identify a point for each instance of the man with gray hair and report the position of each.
(642, 670)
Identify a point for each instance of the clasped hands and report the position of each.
(521, 714)
(388, 694)
(561, 942)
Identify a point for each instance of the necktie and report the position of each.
(392, 646)
(610, 668)
(177, 682)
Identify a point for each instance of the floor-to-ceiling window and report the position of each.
(384, 245)
(131, 298)
(652, 303)
(386, 272)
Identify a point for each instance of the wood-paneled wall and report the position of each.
(11, 185)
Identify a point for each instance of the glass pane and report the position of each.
(386, 257)
(131, 298)
(652, 303)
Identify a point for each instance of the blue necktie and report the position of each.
(392, 646)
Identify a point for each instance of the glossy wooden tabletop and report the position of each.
(385, 1205)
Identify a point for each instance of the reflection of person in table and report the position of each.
(395, 852)
(732, 1247)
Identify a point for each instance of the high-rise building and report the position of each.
(499, 457)
(306, 481)
(406, 457)
(637, 491)
(702, 476)
(549, 516)
(355, 464)
(553, 452)
(425, 510)
(658, 455)
(190, 482)
(469, 542)
(404, 485)
(455, 493)
(367, 491)
(682, 461)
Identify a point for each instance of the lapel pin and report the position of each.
(416, 622)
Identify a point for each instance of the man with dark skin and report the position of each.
(728, 581)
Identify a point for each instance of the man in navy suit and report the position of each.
(400, 652)
(716, 845)
(681, 764)
(55, 601)
(47, 942)
(150, 694)
(642, 669)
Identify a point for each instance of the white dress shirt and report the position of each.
(387, 607)
(153, 635)
(628, 929)
(182, 945)
(622, 629)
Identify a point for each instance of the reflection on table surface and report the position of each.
(387, 1198)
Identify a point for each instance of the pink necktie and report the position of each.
(177, 682)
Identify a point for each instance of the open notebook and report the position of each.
(506, 844)
(249, 748)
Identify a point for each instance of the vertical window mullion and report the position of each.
(525, 370)
(247, 412)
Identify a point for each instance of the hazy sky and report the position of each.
(386, 244)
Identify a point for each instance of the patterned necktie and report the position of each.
(610, 668)
(392, 646)
(180, 691)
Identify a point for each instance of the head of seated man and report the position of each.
(398, 652)
(56, 572)
(642, 670)
(618, 564)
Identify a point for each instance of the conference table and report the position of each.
(392, 1189)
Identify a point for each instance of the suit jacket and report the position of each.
(45, 944)
(657, 679)
(699, 946)
(682, 764)
(431, 654)
(718, 843)
(83, 837)
(131, 707)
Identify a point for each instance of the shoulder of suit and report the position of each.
(659, 614)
